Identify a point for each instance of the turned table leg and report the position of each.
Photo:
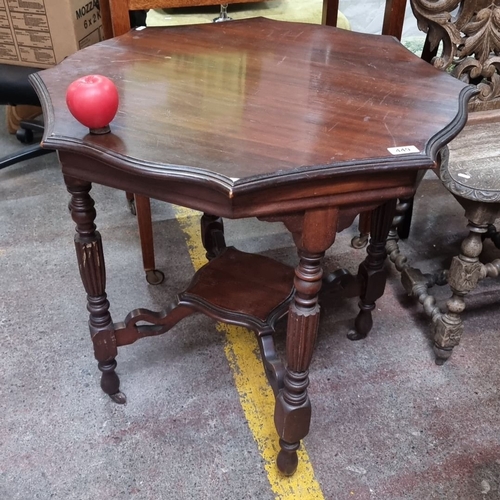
(293, 408)
(212, 235)
(372, 270)
(93, 274)
(313, 232)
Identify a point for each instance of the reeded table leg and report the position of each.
(293, 408)
(313, 232)
(92, 271)
(372, 269)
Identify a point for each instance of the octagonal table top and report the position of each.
(257, 101)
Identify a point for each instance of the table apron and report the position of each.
(350, 192)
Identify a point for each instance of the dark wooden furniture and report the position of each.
(250, 119)
(466, 44)
(117, 21)
(394, 16)
(475, 184)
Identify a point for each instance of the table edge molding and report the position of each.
(422, 160)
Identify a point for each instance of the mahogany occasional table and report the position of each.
(309, 125)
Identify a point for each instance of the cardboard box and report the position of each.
(41, 33)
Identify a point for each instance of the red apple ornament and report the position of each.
(93, 101)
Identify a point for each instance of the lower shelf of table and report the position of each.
(235, 287)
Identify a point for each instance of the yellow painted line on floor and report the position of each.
(256, 396)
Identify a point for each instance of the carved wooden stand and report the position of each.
(463, 276)
(215, 290)
(482, 208)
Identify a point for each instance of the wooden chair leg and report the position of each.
(143, 208)
(330, 12)
(394, 17)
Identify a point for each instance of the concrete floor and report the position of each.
(387, 422)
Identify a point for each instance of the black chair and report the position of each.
(15, 89)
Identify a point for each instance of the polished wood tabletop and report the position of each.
(304, 124)
(250, 103)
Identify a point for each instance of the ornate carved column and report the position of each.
(464, 275)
